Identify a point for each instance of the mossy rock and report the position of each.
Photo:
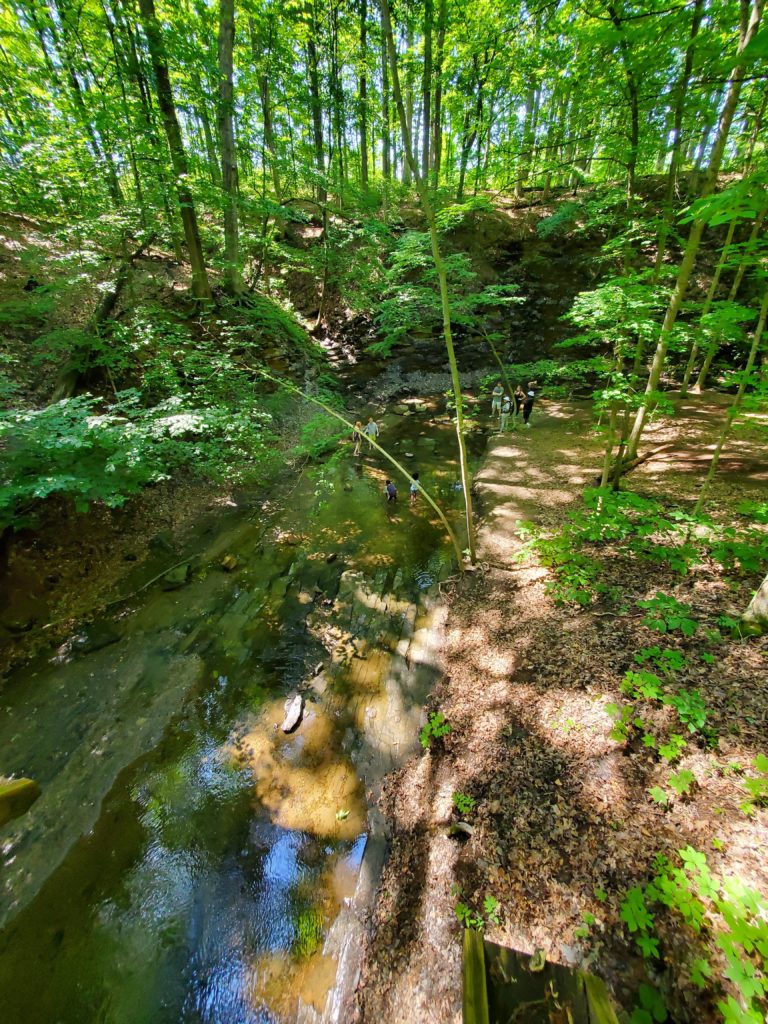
(16, 797)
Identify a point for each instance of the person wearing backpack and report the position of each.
(506, 409)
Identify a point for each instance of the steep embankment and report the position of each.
(563, 823)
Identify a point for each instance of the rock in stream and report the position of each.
(294, 708)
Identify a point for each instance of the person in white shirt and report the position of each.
(371, 430)
(506, 409)
(498, 391)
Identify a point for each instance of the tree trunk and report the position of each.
(707, 303)
(363, 96)
(426, 88)
(232, 280)
(437, 120)
(63, 43)
(755, 134)
(337, 117)
(386, 138)
(633, 96)
(429, 213)
(735, 406)
(316, 102)
(526, 143)
(674, 164)
(201, 289)
(697, 230)
(137, 74)
(408, 104)
(260, 55)
(706, 366)
(201, 110)
(119, 73)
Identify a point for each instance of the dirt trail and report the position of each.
(533, 474)
(562, 812)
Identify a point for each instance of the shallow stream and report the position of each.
(186, 858)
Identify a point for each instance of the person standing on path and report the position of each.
(391, 491)
(530, 398)
(506, 409)
(371, 431)
(519, 399)
(357, 436)
(498, 391)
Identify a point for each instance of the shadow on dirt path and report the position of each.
(562, 822)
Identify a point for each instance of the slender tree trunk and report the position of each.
(229, 177)
(201, 289)
(693, 355)
(677, 125)
(700, 148)
(261, 56)
(735, 406)
(137, 74)
(437, 120)
(426, 88)
(63, 44)
(755, 133)
(316, 102)
(408, 97)
(363, 96)
(697, 230)
(386, 137)
(119, 73)
(429, 213)
(201, 110)
(634, 101)
(744, 262)
(337, 117)
(526, 143)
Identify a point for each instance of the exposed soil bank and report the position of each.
(563, 824)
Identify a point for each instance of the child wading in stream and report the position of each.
(357, 436)
(391, 491)
(414, 487)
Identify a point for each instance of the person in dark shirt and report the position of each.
(530, 398)
(391, 491)
(519, 399)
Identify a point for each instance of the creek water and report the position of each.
(186, 858)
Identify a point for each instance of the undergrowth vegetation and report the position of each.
(194, 407)
(623, 523)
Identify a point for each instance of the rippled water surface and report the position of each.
(186, 858)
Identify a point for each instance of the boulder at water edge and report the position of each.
(294, 707)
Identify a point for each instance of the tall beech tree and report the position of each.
(229, 177)
(201, 289)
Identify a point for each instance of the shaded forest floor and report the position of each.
(563, 823)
